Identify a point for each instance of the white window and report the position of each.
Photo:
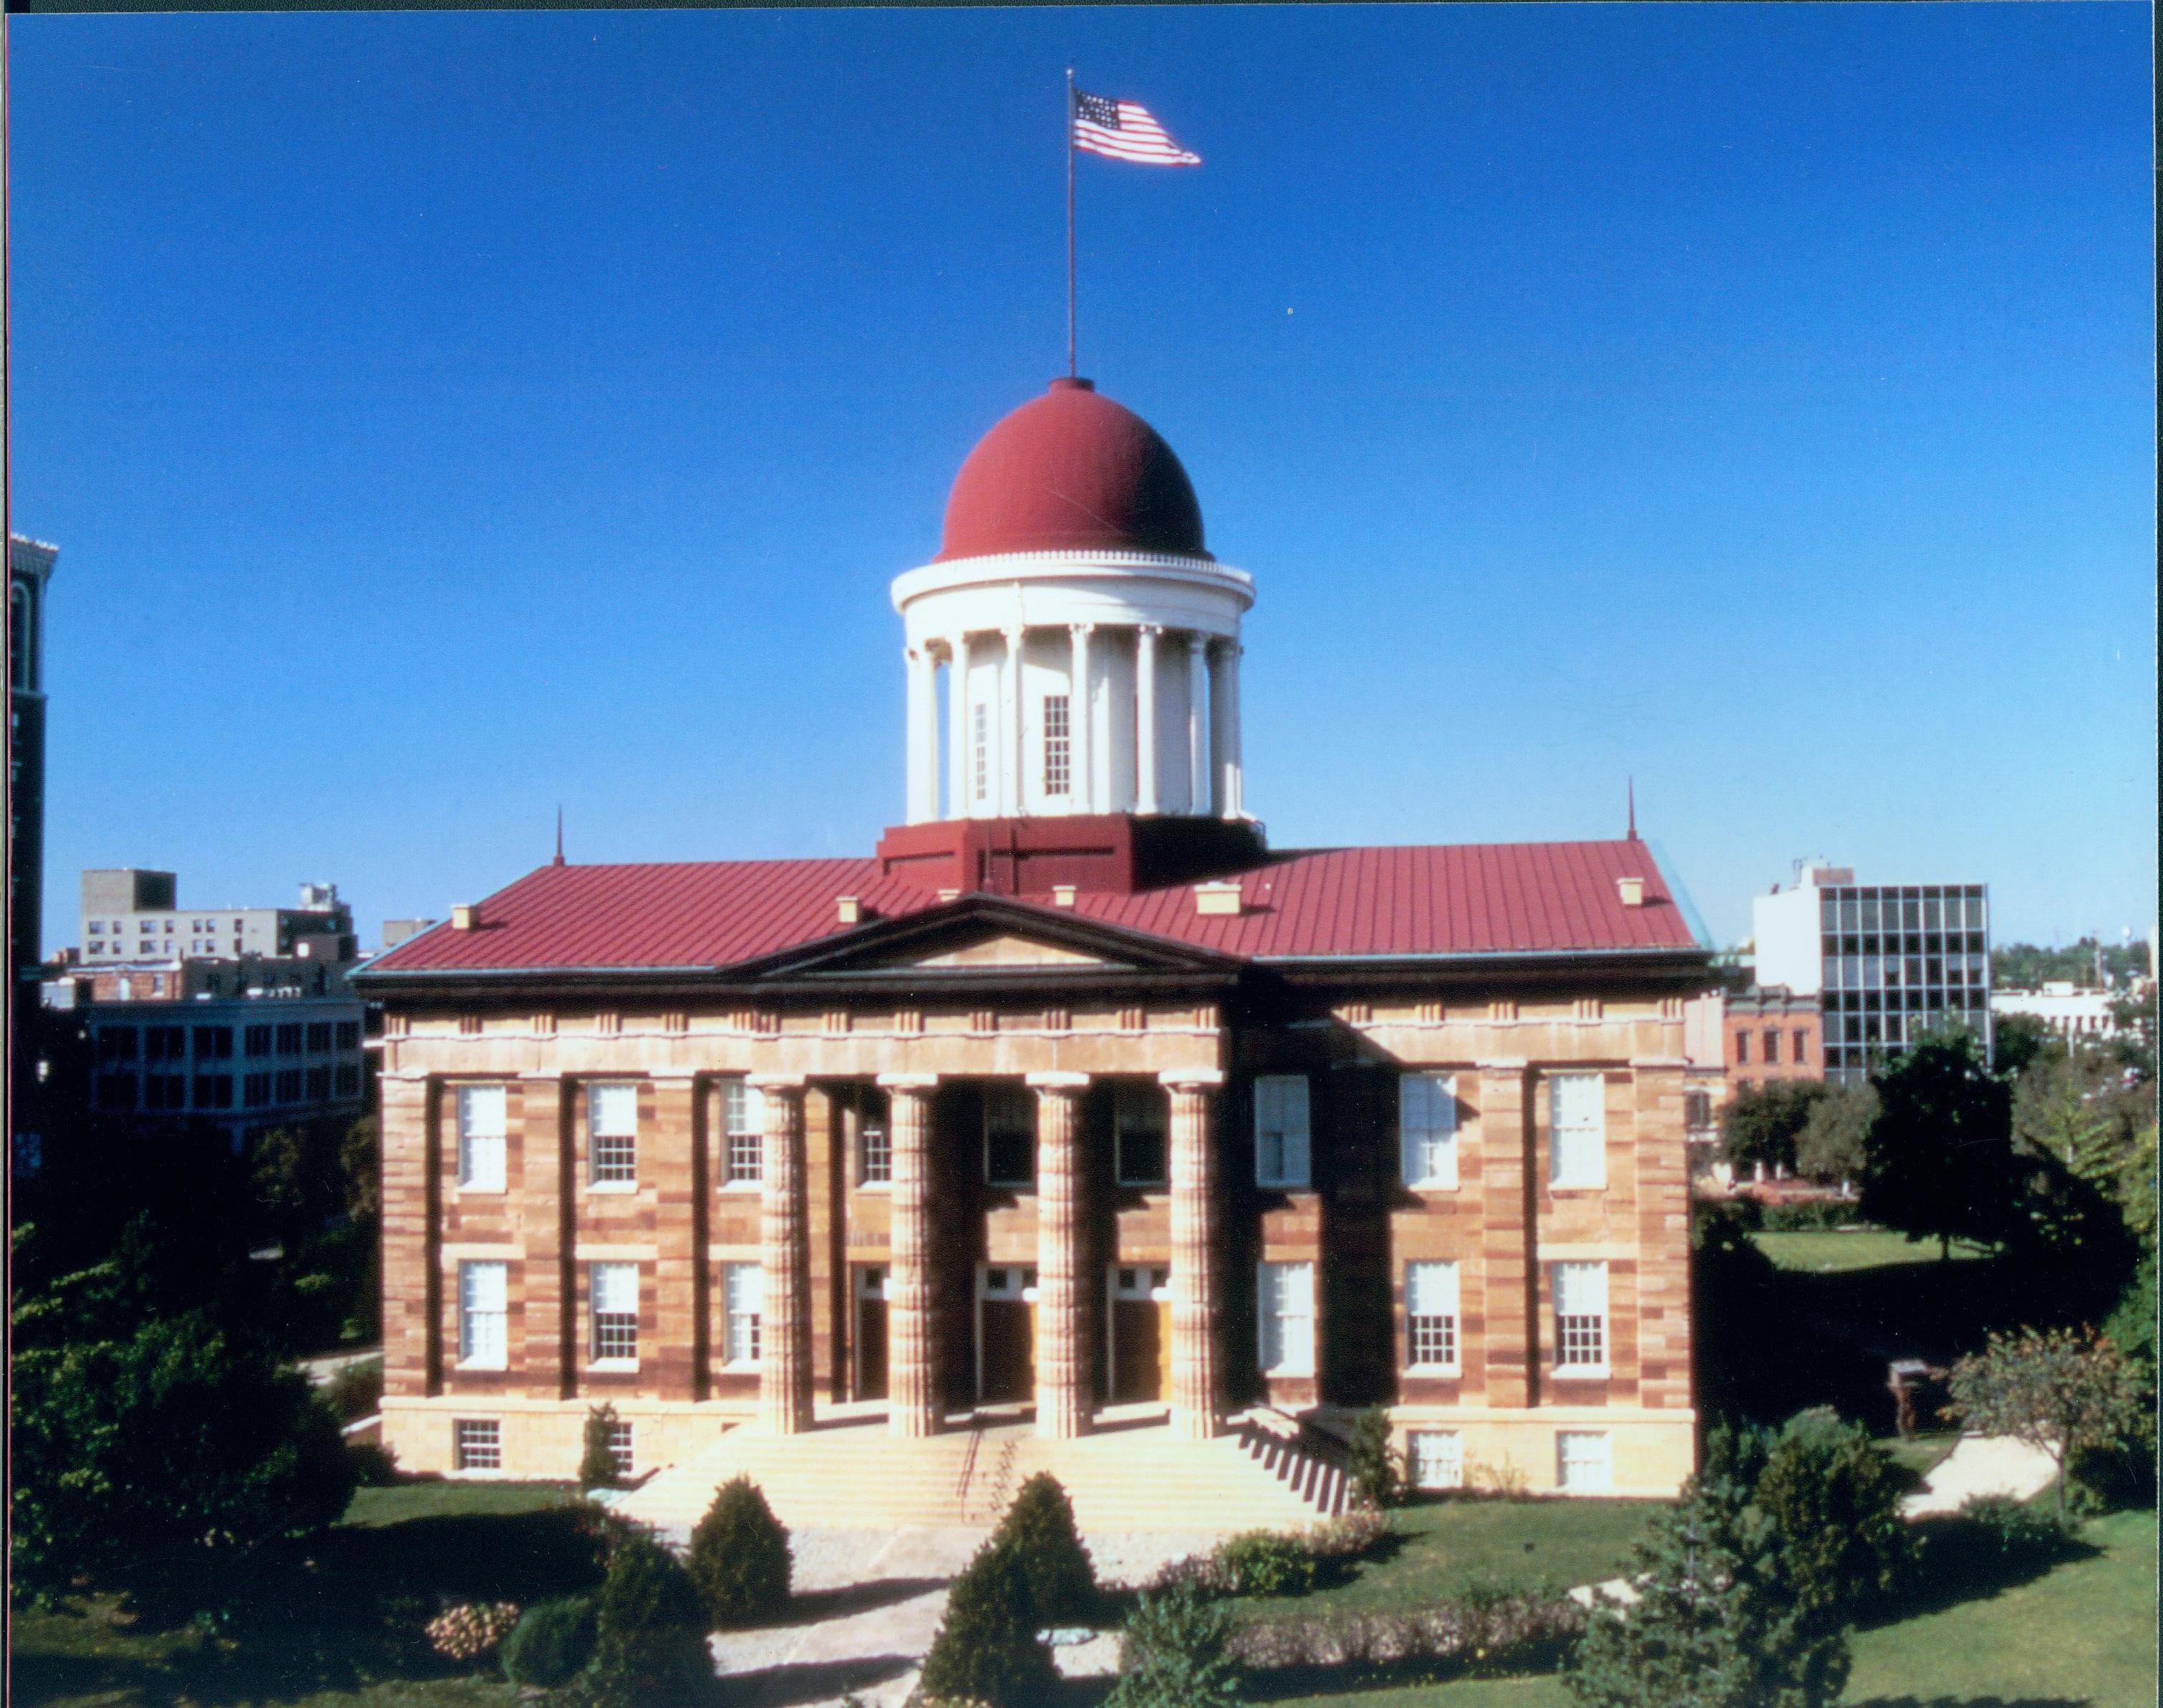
(1438, 1458)
(476, 1444)
(1286, 1295)
(621, 1449)
(875, 1152)
(743, 1301)
(1580, 1307)
(613, 1288)
(482, 1120)
(1431, 1316)
(1583, 1461)
(1577, 1130)
(1140, 1112)
(612, 1134)
(980, 752)
(743, 1133)
(483, 1302)
(1280, 1130)
(1057, 769)
(1426, 1128)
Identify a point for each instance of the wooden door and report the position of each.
(871, 1332)
(1005, 1332)
(1141, 1332)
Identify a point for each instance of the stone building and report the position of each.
(1072, 1095)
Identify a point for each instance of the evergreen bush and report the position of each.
(650, 1645)
(987, 1649)
(597, 1466)
(1263, 1563)
(1833, 1500)
(552, 1643)
(1371, 1466)
(1172, 1654)
(1039, 1530)
(739, 1558)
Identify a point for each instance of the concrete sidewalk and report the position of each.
(1979, 1466)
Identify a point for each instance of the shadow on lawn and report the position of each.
(1959, 1559)
(812, 1681)
(807, 1606)
(1974, 1702)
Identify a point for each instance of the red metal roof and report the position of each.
(1503, 898)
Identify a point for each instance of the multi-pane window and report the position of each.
(1285, 1293)
(476, 1444)
(1140, 1112)
(1697, 1110)
(288, 1091)
(1772, 1044)
(613, 1289)
(319, 1035)
(743, 1301)
(1577, 1146)
(1802, 1042)
(213, 1043)
(483, 1306)
(980, 751)
(288, 1038)
(1581, 1309)
(348, 1034)
(1438, 1458)
(1426, 1129)
(1280, 1130)
(1742, 1047)
(483, 1119)
(1583, 1461)
(256, 1040)
(1058, 769)
(319, 1084)
(620, 1449)
(612, 1135)
(255, 1091)
(1431, 1315)
(743, 1133)
(1009, 1135)
(874, 1153)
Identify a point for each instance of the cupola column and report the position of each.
(961, 798)
(915, 1406)
(1082, 769)
(1225, 795)
(784, 1372)
(923, 735)
(1010, 726)
(1145, 717)
(1197, 724)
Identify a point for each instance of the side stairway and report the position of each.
(855, 1476)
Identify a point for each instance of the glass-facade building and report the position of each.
(1896, 960)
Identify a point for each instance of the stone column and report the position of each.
(1062, 1330)
(1197, 724)
(961, 798)
(1010, 733)
(784, 1363)
(914, 1405)
(1081, 737)
(923, 735)
(1145, 717)
(1197, 1409)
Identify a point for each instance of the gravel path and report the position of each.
(1982, 1464)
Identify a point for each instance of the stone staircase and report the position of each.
(1135, 1476)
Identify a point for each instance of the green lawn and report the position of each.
(1833, 1251)
(1922, 1454)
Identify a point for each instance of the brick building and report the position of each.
(1073, 1093)
(1773, 1033)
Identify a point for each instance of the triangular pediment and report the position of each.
(1007, 949)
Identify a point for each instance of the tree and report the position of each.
(2062, 1390)
(987, 1649)
(1713, 1625)
(651, 1646)
(1938, 1155)
(1039, 1530)
(597, 1466)
(739, 1560)
(2019, 1040)
(1833, 1499)
(1830, 1146)
(1171, 1654)
(1371, 1465)
(1762, 1124)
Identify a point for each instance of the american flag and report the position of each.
(1122, 130)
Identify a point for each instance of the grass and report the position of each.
(1833, 1251)
(1921, 1455)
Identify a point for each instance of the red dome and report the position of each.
(1071, 471)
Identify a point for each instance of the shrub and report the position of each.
(1833, 1500)
(597, 1466)
(470, 1629)
(1371, 1463)
(987, 1649)
(649, 1643)
(739, 1558)
(1263, 1563)
(1172, 1653)
(1335, 1543)
(1809, 1215)
(1038, 1531)
(552, 1644)
(2023, 1534)
(1500, 1630)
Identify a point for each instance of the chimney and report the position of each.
(849, 910)
(1216, 898)
(1632, 892)
(1062, 894)
(465, 916)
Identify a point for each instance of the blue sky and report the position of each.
(442, 417)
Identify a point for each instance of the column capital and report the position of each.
(908, 1082)
(775, 1082)
(1191, 1078)
(1050, 1080)
(1151, 629)
(1080, 628)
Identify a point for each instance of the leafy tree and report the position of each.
(2017, 1040)
(597, 1466)
(2133, 1041)
(1938, 1155)
(1762, 1124)
(650, 1646)
(1833, 1500)
(1714, 1625)
(1371, 1461)
(987, 1649)
(1171, 1654)
(2060, 1390)
(739, 1559)
(1039, 1530)
(149, 1459)
(1830, 1146)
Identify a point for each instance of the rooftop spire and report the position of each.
(1632, 787)
(559, 860)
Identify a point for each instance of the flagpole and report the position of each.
(1069, 222)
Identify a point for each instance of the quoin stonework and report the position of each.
(1071, 1097)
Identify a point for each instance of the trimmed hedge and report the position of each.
(739, 1559)
(552, 1643)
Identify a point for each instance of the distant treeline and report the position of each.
(2022, 966)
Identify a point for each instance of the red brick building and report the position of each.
(1772, 1033)
(1072, 1093)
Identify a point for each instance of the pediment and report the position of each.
(1007, 949)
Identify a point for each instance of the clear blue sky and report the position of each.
(444, 416)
